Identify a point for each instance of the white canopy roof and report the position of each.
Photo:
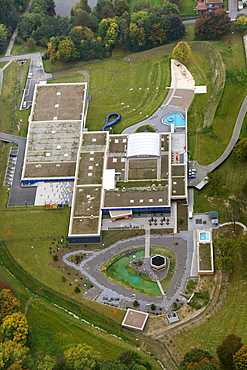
(144, 144)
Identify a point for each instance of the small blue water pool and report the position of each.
(175, 118)
(204, 236)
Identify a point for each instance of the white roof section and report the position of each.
(144, 144)
(109, 179)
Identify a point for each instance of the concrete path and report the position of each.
(120, 296)
(232, 223)
(147, 243)
(202, 171)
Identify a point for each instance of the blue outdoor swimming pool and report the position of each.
(204, 236)
(177, 119)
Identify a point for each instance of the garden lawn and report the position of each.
(167, 253)
(186, 7)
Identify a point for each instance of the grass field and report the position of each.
(20, 47)
(229, 319)
(126, 88)
(14, 78)
(77, 77)
(186, 7)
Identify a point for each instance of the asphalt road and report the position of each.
(19, 196)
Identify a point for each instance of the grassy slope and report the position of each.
(14, 78)
(110, 85)
(229, 319)
(186, 7)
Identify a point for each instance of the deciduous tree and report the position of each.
(241, 23)
(81, 357)
(240, 359)
(240, 150)
(13, 353)
(15, 328)
(4, 34)
(195, 357)
(181, 51)
(8, 303)
(227, 349)
(211, 25)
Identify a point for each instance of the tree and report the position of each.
(131, 359)
(8, 14)
(211, 25)
(67, 51)
(112, 365)
(15, 328)
(195, 357)
(104, 9)
(47, 363)
(227, 349)
(241, 23)
(181, 51)
(81, 357)
(28, 23)
(216, 182)
(240, 150)
(224, 249)
(121, 6)
(4, 34)
(142, 5)
(170, 8)
(240, 358)
(30, 43)
(82, 18)
(108, 31)
(176, 28)
(13, 353)
(8, 303)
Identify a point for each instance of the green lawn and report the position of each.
(14, 78)
(20, 47)
(186, 7)
(76, 77)
(230, 318)
(126, 88)
(233, 174)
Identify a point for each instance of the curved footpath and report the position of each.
(113, 293)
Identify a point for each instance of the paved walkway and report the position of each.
(232, 223)
(112, 293)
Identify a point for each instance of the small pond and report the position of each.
(118, 271)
